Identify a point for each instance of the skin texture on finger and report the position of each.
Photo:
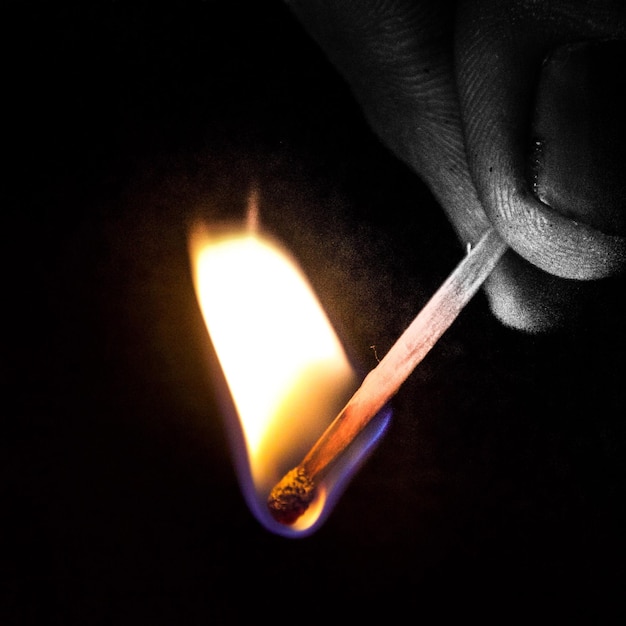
(500, 48)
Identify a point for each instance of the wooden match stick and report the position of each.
(291, 496)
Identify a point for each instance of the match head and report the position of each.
(291, 497)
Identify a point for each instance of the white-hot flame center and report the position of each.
(266, 326)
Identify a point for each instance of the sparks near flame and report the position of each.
(286, 370)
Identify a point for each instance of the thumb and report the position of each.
(579, 134)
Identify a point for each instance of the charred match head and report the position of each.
(291, 497)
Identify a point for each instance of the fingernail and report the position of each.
(577, 160)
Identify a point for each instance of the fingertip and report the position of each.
(524, 298)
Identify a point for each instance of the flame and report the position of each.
(286, 372)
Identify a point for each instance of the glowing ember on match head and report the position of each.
(291, 497)
(285, 371)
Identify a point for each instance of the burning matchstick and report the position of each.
(293, 494)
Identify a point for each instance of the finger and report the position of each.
(397, 58)
(500, 50)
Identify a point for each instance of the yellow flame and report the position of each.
(286, 370)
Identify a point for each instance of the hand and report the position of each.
(508, 110)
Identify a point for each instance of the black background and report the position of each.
(499, 488)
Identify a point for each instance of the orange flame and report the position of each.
(286, 371)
